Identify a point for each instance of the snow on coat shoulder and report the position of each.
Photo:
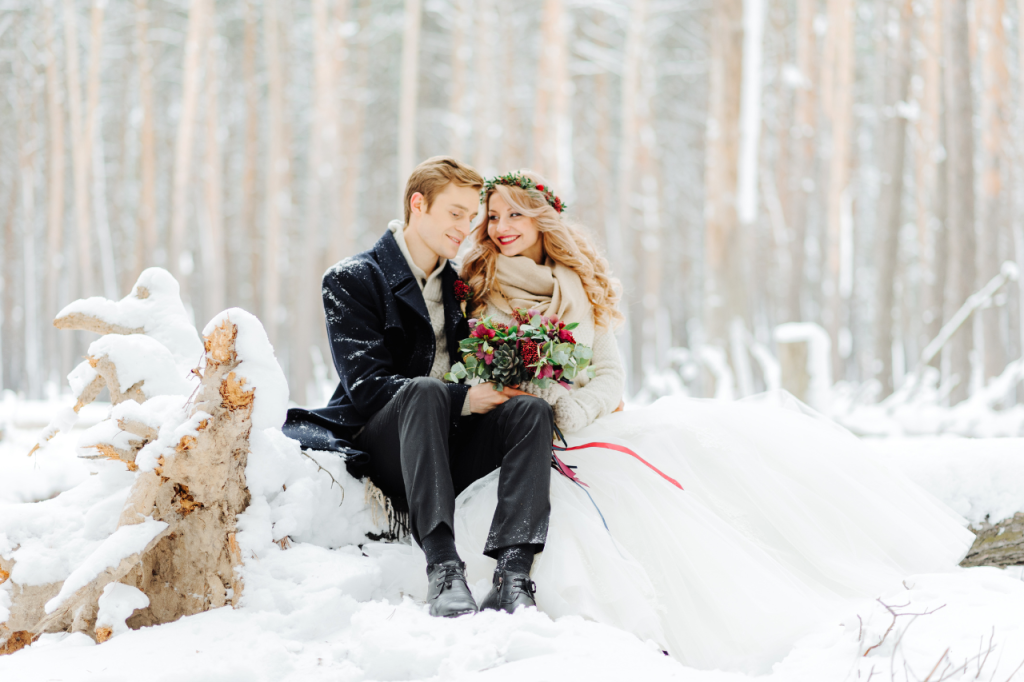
(258, 366)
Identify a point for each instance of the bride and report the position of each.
(783, 516)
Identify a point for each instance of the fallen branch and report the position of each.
(891, 610)
(975, 301)
(333, 479)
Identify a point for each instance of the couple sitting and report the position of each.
(394, 326)
(784, 519)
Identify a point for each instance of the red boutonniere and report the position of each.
(463, 294)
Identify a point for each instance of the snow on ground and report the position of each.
(351, 613)
(980, 478)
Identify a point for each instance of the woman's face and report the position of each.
(514, 233)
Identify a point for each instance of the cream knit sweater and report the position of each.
(589, 399)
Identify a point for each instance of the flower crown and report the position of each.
(523, 182)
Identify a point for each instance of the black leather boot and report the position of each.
(447, 591)
(510, 591)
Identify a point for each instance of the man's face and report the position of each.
(449, 219)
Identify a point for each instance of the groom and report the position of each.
(394, 326)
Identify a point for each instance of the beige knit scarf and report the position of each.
(551, 288)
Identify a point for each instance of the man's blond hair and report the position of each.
(433, 175)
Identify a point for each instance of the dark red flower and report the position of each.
(501, 326)
(462, 291)
(482, 332)
(540, 188)
(566, 336)
(528, 351)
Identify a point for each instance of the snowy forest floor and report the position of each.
(311, 613)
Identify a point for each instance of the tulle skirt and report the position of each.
(784, 518)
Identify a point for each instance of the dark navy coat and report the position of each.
(381, 337)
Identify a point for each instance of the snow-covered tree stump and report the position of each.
(173, 551)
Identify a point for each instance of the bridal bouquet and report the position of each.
(535, 348)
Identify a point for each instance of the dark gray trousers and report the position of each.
(416, 460)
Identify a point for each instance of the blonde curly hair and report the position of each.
(563, 242)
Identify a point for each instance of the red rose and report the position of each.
(566, 336)
(540, 188)
(462, 291)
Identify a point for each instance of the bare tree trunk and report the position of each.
(940, 237)
(191, 81)
(320, 171)
(891, 196)
(108, 264)
(277, 198)
(213, 243)
(960, 179)
(602, 153)
(550, 105)
(79, 152)
(647, 238)
(725, 283)
(28, 136)
(1018, 229)
(513, 135)
(805, 131)
(55, 187)
(408, 96)
(928, 173)
(346, 244)
(838, 217)
(484, 155)
(994, 200)
(250, 162)
(461, 30)
(620, 240)
(145, 242)
(339, 242)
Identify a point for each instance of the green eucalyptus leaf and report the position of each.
(571, 326)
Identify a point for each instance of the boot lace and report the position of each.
(525, 585)
(448, 575)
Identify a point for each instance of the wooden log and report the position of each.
(198, 490)
(1000, 544)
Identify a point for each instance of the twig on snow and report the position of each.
(333, 479)
(892, 611)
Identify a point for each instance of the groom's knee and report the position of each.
(530, 411)
(424, 394)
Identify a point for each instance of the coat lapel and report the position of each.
(398, 275)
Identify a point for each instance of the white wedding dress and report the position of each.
(783, 519)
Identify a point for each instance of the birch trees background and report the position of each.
(745, 163)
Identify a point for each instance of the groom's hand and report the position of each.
(483, 398)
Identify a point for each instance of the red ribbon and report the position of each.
(625, 451)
